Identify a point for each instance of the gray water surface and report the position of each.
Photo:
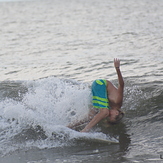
(43, 42)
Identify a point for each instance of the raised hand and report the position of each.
(116, 63)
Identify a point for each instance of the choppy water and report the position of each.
(50, 53)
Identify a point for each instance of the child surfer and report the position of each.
(107, 101)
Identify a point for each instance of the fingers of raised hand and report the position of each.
(116, 62)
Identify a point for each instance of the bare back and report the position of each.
(115, 95)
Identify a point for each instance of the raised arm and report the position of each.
(120, 78)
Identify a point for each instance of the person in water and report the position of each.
(107, 101)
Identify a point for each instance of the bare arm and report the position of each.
(77, 123)
(120, 78)
(97, 118)
(91, 114)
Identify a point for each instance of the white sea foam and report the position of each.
(49, 103)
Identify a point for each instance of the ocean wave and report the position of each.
(32, 110)
(47, 102)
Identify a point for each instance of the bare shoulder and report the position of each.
(110, 86)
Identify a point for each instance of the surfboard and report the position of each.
(72, 135)
(95, 140)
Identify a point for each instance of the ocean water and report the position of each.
(51, 51)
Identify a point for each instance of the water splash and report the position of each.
(49, 102)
